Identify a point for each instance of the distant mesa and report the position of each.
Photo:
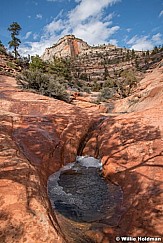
(69, 46)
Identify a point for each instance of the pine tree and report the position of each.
(133, 53)
(15, 42)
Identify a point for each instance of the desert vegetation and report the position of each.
(114, 74)
(55, 78)
(46, 79)
(14, 28)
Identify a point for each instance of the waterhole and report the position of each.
(79, 193)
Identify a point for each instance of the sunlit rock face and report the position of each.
(79, 192)
(39, 135)
(72, 47)
(68, 46)
(33, 132)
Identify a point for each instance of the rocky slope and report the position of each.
(99, 63)
(39, 135)
(8, 65)
(90, 62)
(149, 89)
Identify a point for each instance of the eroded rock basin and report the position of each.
(81, 198)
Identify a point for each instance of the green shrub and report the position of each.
(37, 64)
(127, 83)
(86, 89)
(57, 90)
(43, 83)
(106, 93)
(59, 67)
(123, 86)
(11, 64)
(79, 85)
(96, 86)
(109, 83)
(2, 48)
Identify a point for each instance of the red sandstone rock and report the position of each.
(149, 94)
(40, 134)
(131, 148)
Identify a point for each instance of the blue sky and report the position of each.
(131, 23)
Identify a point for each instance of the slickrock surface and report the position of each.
(147, 96)
(131, 148)
(24, 211)
(39, 135)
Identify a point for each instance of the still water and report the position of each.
(81, 197)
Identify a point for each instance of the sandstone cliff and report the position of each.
(39, 135)
(97, 63)
(68, 46)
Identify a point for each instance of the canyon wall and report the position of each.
(96, 63)
(68, 46)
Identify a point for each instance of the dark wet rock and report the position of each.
(82, 194)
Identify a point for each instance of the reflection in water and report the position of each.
(80, 195)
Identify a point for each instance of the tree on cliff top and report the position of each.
(14, 28)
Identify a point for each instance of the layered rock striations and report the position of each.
(68, 46)
(39, 135)
(93, 63)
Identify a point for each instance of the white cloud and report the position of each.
(37, 47)
(129, 30)
(109, 17)
(145, 42)
(35, 36)
(84, 21)
(157, 39)
(88, 8)
(38, 16)
(95, 32)
(113, 42)
(132, 40)
(87, 23)
(140, 43)
(161, 13)
(54, 26)
(27, 35)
